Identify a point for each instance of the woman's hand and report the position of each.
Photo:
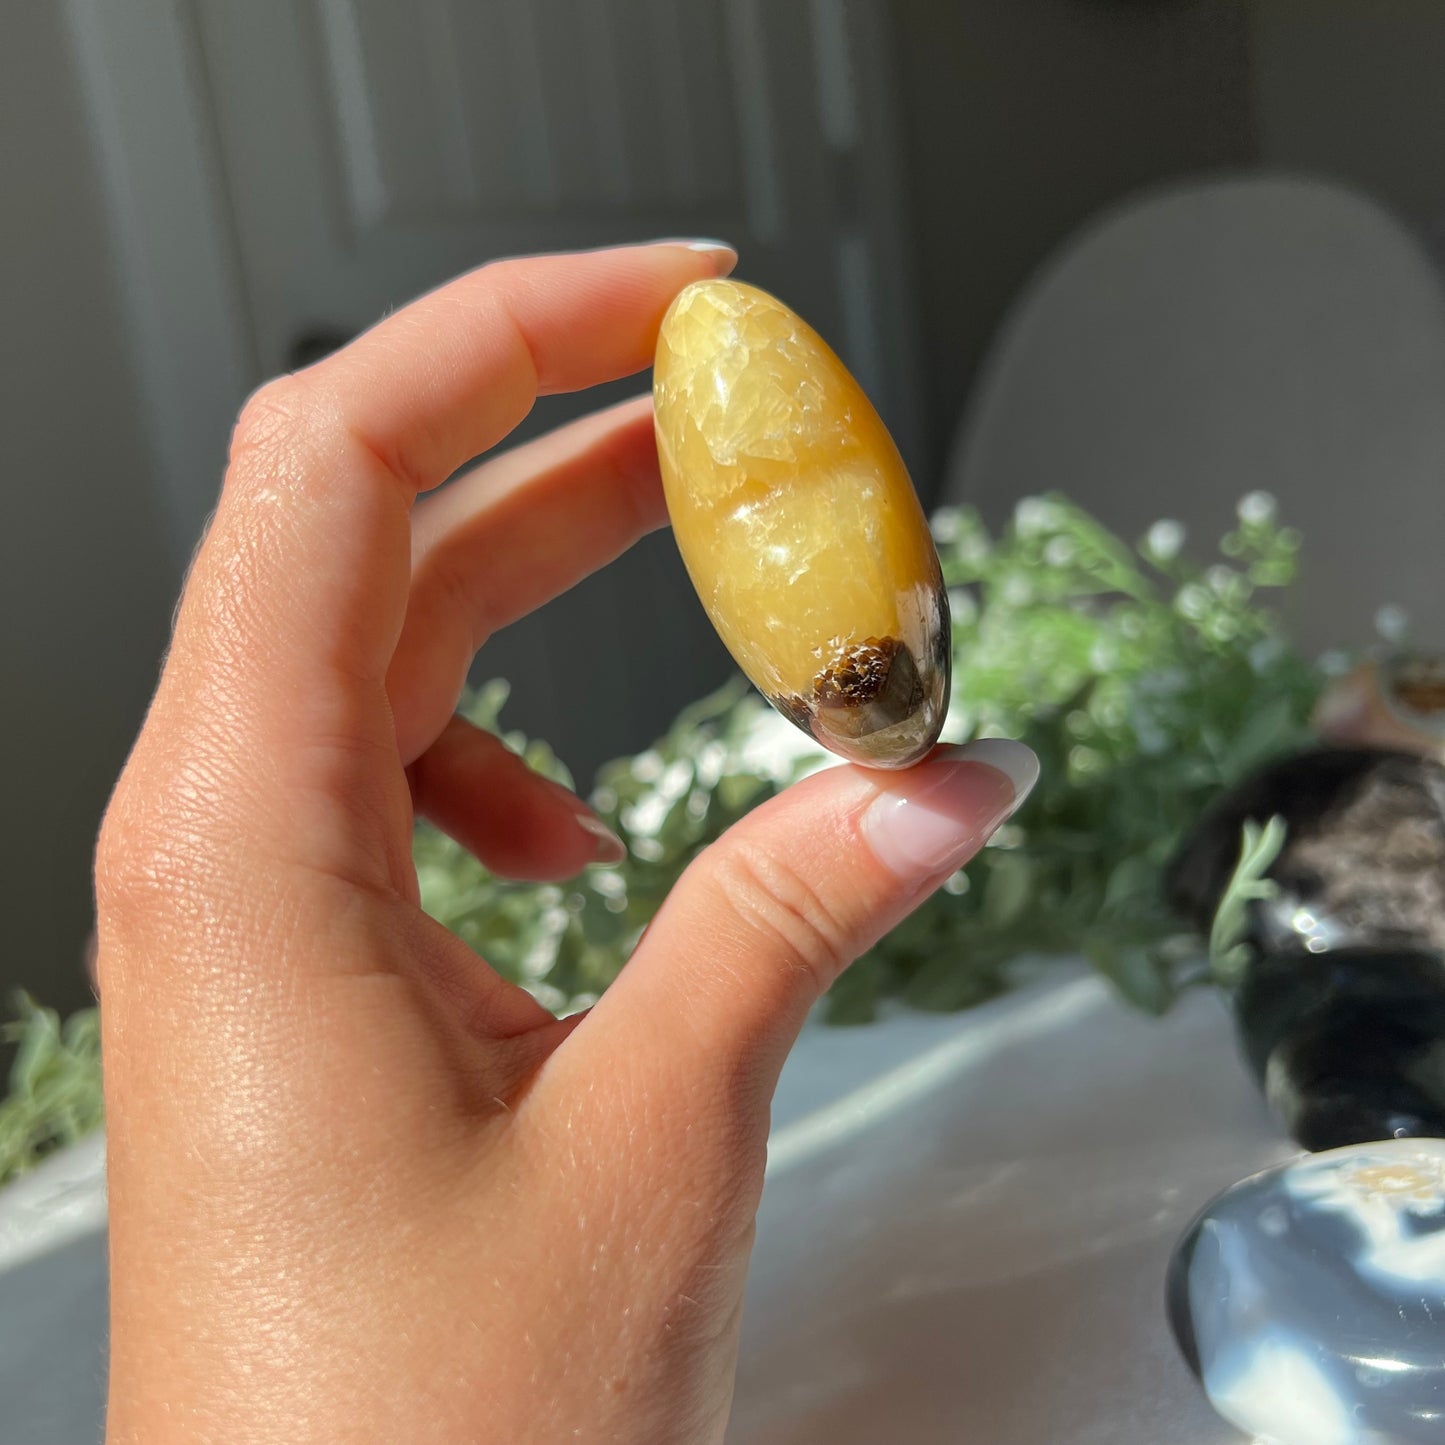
(361, 1188)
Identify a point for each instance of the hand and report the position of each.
(363, 1189)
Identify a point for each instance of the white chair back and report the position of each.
(1267, 333)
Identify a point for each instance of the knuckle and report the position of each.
(792, 919)
(129, 873)
(153, 851)
(271, 414)
(457, 590)
(294, 420)
(279, 419)
(110, 865)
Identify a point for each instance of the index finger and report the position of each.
(306, 566)
(449, 376)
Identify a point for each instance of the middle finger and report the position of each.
(507, 537)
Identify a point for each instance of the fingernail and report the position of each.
(610, 848)
(939, 814)
(724, 257)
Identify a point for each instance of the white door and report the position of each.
(337, 157)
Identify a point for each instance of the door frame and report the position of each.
(142, 75)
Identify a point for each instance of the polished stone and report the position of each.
(1363, 863)
(1346, 1044)
(799, 526)
(1342, 1007)
(1310, 1299)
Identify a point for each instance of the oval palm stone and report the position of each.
(799, 526)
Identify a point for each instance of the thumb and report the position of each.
(765, 919)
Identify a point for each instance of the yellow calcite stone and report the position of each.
(799, 526)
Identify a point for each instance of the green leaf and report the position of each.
(853, 1000)
(1140, 975)
(55, 1094)
(1009, 889)
(1263, 736)
(1258, 849)
(39, 1037)
(946, 983)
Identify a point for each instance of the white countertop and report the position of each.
(962, 1238)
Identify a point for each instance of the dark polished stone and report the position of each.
(1341, 1010)
(1347, 1044)
(1364, 858)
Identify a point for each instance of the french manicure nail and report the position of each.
(940, 813)
(610, 848)
(724, 256)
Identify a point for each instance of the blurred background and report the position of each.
(1154, 255)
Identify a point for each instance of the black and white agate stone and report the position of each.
(1310, 1299)
(1341, 1009)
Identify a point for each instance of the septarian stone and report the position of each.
(1310, 1299)
(799, 526)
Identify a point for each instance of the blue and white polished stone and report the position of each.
(1310, 1299)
